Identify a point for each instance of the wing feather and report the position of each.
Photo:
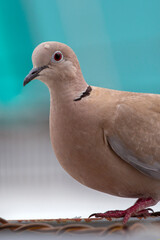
(136, 137)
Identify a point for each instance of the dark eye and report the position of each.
(57, 57)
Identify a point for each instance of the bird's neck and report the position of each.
(67, 92)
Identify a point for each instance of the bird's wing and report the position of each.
(135, 136)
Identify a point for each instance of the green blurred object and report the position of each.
(117, 43)
(15, 49)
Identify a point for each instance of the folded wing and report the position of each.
(136, 135)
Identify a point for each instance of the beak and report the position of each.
(33, 74)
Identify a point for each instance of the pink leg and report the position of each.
(139, 208)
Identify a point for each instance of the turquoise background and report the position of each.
(117, 43)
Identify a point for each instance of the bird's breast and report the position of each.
(79, 146)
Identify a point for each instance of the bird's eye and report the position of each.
(57, 57)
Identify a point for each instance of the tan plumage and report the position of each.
(108, 140)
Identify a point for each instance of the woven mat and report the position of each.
(83, 225)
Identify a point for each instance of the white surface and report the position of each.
(33, 185)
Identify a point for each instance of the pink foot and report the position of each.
(138, 209)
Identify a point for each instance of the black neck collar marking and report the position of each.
(84, 94)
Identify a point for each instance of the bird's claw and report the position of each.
(109, 214)
(96, 215)
(123, 213)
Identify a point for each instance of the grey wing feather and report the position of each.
(128, 156)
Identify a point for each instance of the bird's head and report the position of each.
(52, 62)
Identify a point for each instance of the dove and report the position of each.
(107, 140)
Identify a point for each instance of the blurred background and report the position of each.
(118, 46)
